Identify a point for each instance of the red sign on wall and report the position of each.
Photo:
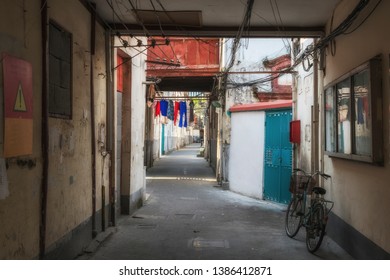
(295, 131)
(18, 106)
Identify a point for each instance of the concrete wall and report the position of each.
(246, 164)
(69, 201)
(361, 191)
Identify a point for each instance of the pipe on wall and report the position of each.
(45, 130)
(110, 101)
(315, 119)
(93, 130)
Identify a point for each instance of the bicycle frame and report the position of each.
(313, 217)
(306, 209)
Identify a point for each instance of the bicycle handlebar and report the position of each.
(325, 176)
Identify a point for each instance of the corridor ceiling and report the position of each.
(215, 18)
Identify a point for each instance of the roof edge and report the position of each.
(260, 106)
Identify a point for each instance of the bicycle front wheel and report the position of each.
(315, 228)
(294, 216)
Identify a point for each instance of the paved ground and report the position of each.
(188, 217)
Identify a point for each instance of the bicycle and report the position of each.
(315, 217)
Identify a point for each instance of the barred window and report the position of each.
(60, 72)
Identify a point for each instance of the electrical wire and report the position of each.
(139, 21)
(342, 29)
(287, 45)
(158, 19)
(179, 28)
(115, 14)
(124, 42)
(312, 50)
(130, 58)
(138, 18)
(365, 19)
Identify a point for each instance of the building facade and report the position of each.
(60, 132)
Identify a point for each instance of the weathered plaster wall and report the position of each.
(246, 162)
(19, 212)
(69, 205)
(361, 191)
(70, 162)
(134, 189)
(138, 90)
(102, 158)
(303, 106)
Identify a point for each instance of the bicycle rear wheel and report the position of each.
(315, 228)
(294, 216)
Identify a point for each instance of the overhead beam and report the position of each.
(218, 31)
(199, 84)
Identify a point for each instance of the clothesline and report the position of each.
(181, 98)
(172, 110)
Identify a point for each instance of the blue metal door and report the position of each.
(278, 156)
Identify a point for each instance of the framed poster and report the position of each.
(18, 107)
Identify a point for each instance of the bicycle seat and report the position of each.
(318, 190)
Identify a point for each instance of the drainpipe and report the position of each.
(45, 131)
(295, 116)
(93, 131)
(110, 101)
(315, 118)
(321, 116)
(221, 168)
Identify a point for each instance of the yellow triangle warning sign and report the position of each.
(20, 103)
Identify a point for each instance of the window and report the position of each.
(353, 115)
(60, 72)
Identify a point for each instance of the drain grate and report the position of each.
(194, 179)
(188, 198)
(146, 226)
(185, 216)
(210, 243)
(153, 217)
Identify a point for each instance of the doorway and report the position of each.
(278, 156)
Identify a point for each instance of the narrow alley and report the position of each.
(102, 100)
(187, 216)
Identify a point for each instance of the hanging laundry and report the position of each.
(183, 114)
(192, 111)
(170, 110)
(176, 112)
(360, 111)
(151, 95)
(157, 109)
(164, 108)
